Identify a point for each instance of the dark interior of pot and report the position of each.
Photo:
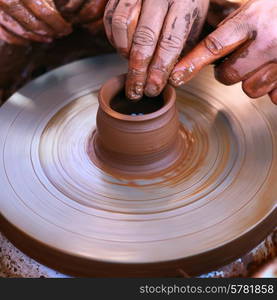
(146, 105)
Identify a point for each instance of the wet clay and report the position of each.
(66, 211)
(139, 138)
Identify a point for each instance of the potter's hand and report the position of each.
(39, 21)
(251, 32)
(152, 33)
(90, 13)
(91, 10)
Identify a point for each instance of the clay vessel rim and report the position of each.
(119, 81)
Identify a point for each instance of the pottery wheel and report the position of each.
(61, 209)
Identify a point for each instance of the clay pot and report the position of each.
(138, 143)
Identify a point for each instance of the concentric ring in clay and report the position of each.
(60, 208)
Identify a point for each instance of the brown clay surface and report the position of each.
(63, 210)
(137, 139)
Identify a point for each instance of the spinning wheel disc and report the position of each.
(60, 208)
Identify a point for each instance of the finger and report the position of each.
(47, 12)
(244, 62)
(261, 82)
(11, 25)
(219, 43)
(144, 44)
(228, 74)
(91, 10)
(273, 96)
(108, 17)
(233, 14)
(124, 23)
(15, 9)
(176, 29)
(11, 38)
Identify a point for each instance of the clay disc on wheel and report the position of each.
(61, 209)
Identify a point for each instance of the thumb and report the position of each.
(219, 43)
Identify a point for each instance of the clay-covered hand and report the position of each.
(152, 34)
(39, 21)
(87, 13)
(91, 10)
(220, 9)
(250, 35)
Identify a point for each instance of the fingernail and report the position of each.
(138, 88)
(177, 78)
(151, 90)
(135, 93)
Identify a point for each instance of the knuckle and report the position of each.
(138, 73)
(170, 42)
(235, 23)
(239, 25)
(120, 22)
(213, 45)
(158, 74)
(144, 36)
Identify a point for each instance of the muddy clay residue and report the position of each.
(76, 216)
(136, 138)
